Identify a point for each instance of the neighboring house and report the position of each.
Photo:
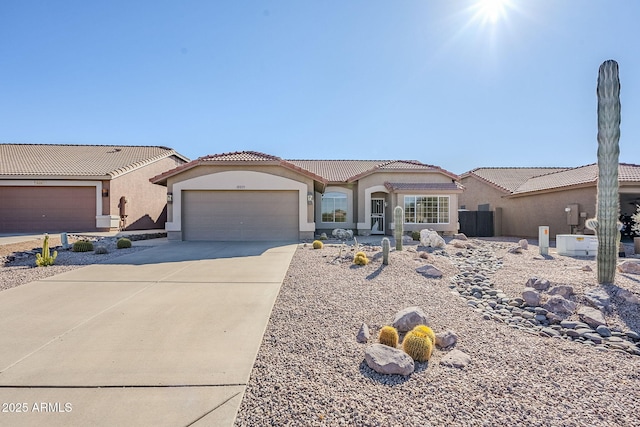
(77, 188)
(523, 199)
(255, 196)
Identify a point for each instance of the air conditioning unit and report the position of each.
(576, 245)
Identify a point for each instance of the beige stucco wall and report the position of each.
(146, 207)
(479, 193)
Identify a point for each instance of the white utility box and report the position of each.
(576, 245)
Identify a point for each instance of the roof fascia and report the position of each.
(552, 190)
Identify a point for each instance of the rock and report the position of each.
(431, 238)
(563, 290)
(538, 284)
(342, 234)
(586, 268)
(460, 236)
(363, 334)
(406, 240)
(429, 272)
(598, 298)
(388, 361)
(515, 250)
(456, 359)
(628, 296)
(524, 244)
(446, 339)
(405, 320)
(591, 316)
(559, 305)
(531, 296)
(603, 331)
(629, 267)
(458, 244)
(569, 324)
(549, 332)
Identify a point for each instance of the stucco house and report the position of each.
(523, 199)
(56, 188)
(255, 196)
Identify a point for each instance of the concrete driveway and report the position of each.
(163, 337)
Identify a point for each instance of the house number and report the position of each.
(240, 187)
(38, 182)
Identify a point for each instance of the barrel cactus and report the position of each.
(388, 336)
(424, 329)
(418, 346)
(123, 243)
(608, 206)
(82, 246)
(398, 221)
(360, 259)
(317, 244)
(386, 247)
(46, 258)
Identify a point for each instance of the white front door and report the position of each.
(377, 216)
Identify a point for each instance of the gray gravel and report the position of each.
(310, 369)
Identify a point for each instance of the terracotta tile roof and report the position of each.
(77, 160)
(577, 176)
(240, 156)
(337, 170)
(508, 179)
(434, 186)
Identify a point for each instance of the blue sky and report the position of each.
(431, 80)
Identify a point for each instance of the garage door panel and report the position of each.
(47, 209)
(240, 215)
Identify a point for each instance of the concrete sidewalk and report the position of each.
(162, 337)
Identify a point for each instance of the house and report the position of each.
(56, 188)
(255, 196)
(522, 199)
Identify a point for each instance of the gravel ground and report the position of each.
(311, 371)
(22, 269)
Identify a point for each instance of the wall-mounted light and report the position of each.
(169, 197)
(105, 192)
(309, 198)
(567, 209)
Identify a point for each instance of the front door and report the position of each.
(377, 216)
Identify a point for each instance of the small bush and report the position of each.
(123, 243)
(101, 250)
(317, 244)
(82, 246)
(415, 235)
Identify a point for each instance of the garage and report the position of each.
(47, 209)
(240, 215)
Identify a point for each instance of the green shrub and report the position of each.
(317, 244)
(123, 243)
(415, 235)
(82, 246)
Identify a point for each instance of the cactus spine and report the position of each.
(418, 346)
(608, 206)
(398, 220)
(386, 246)
(424, 329)
(46, 259)
(388, 336)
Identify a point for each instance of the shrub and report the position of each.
(388, 336)
(361, 259)
(123, 243)
(415, 235)
(82, 246)
(418, 346)
(317, 244)
(101, 250)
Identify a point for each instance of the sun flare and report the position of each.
(491, 11)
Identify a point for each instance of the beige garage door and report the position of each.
(240, 215)
(47, 209)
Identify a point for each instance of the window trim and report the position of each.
(437, 197)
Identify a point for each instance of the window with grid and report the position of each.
(334, 207)
(426, 209)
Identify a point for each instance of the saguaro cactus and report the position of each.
(608, 206)
(386, 246)
(398, 220)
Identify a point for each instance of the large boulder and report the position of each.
(531, 296)
(524, 244)
(431, 239)
(342, 234)
(629, 267)
(628, 296)
(591, 316)
(559, 305)
(407, 319)
(456, 359)
(460, 236)
(388, 360)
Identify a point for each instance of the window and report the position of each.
(426, 209)
(334, 207)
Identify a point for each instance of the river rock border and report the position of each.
(477, 264)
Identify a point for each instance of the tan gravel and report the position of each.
(310, 369)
